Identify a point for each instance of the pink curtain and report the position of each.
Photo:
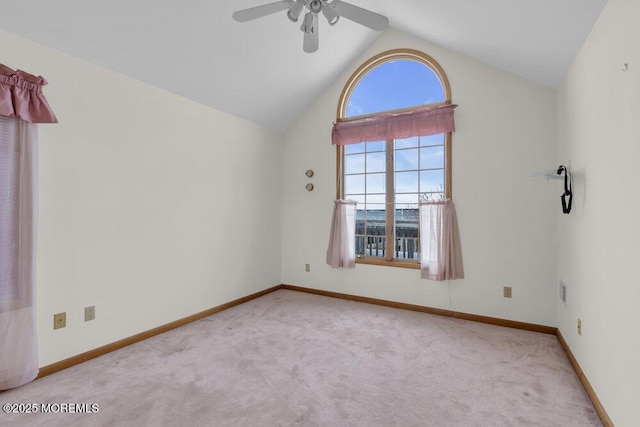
(441, 251)
(18, 229)
(21, 96)
(342, 240)
(22, 104)
(421, 121)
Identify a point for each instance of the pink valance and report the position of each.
(21, 95)
(419, 122)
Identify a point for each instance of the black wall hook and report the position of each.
(567, 196)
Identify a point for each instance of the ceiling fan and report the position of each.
(332, 10)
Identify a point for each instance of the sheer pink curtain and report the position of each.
(342, 239)
(21, 105)
(440, 248)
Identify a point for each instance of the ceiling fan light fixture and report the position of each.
(294, 11)
(308, 23)
(311, 38)
(315, 6)
(330, 13)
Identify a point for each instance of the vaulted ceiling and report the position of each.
(258, 71)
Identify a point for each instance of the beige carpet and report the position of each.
(290, 358)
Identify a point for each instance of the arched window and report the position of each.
(389, 177)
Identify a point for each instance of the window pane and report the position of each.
(395, 84)
(359, 223)
(371, 245)
(437, 139)
(407, 200)
(360, 198)
(354, 184)
(376, 183)
(360, 227)
(376, 146)
(407, 142)
(372, 239)
(354, 164)
(432, 157)
(437, 196)
(406, 159)
(354, 148)
(376, 220)
(406, 244)
(431, 180)
(376, 162)
(378, 199)
(406, 182)
(407, 215)
(375, 214)
(360, 219)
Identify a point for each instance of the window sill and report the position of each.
(380, 261)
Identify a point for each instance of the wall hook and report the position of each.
(625, 66)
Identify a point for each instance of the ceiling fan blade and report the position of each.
(361, 16)
(260, 11)
(311, 36)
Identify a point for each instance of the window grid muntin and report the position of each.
(405, 241)
(373, 215)
(405, 226)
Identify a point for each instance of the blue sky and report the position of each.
(393, 85)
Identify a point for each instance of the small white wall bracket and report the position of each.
(546, 174)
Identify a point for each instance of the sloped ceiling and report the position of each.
(258, 71)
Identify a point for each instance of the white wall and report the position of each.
(505, 128)
(598, 114)
(152, 207)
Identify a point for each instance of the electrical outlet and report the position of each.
(59, 320)
(89, 313)
(507, 291)
(307, 268)
(579, 327)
